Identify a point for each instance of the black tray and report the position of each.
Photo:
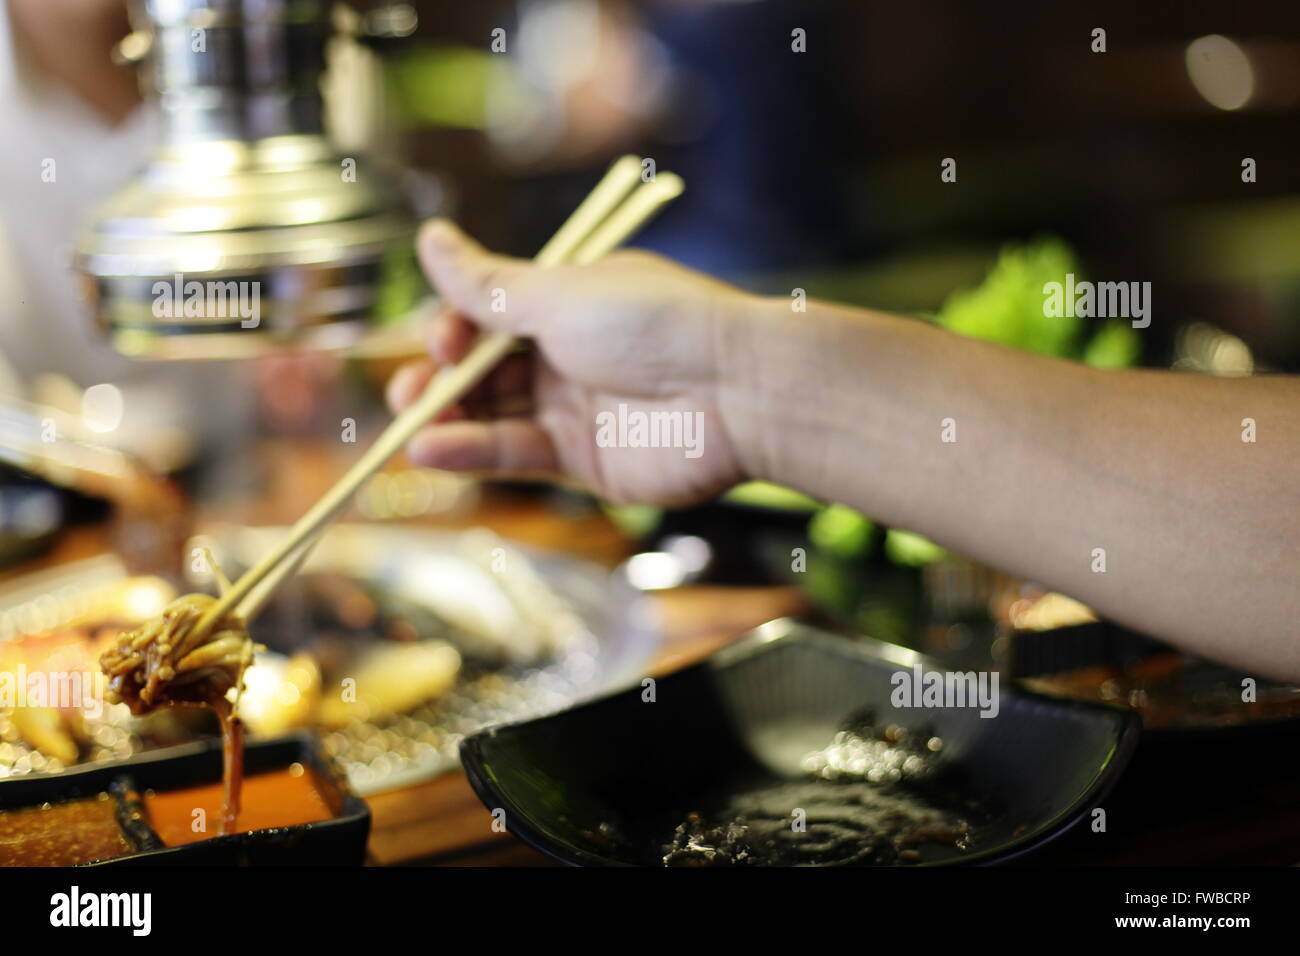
(340, 840)
(1042, 763)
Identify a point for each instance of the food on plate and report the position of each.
(280, 694)
(46, 729)
(173, 660)
(391, 679)
(503, 641)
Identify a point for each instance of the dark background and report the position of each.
(827, 163)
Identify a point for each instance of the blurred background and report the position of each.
(821, 169)
(811, 135)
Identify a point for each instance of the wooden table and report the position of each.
(442, 821)
(1201, 801)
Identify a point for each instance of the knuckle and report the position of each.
(492, 276)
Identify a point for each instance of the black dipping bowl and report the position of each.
(606, 782)
(340, 840)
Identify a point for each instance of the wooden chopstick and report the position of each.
(621, 179)
(251, 606)
(640, 206)
(597, 226)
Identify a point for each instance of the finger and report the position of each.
(493, 290)
(511, 446)
(520, 406)
(450, 336)
(509, 381)
(407, 383)
(507, 390)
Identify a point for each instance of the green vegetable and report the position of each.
(841, 531)
(1008, 306)
(764, 494)
(633, 521)
(1114, 346)
(909, 548)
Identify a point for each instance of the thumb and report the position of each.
(495, 291)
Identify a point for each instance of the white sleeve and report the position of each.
(59, 160)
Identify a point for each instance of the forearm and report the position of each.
(1045, 462)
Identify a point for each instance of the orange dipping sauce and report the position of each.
(280, 798)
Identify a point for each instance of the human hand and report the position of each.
(631, 351)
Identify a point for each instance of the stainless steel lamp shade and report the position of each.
(247, 229)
